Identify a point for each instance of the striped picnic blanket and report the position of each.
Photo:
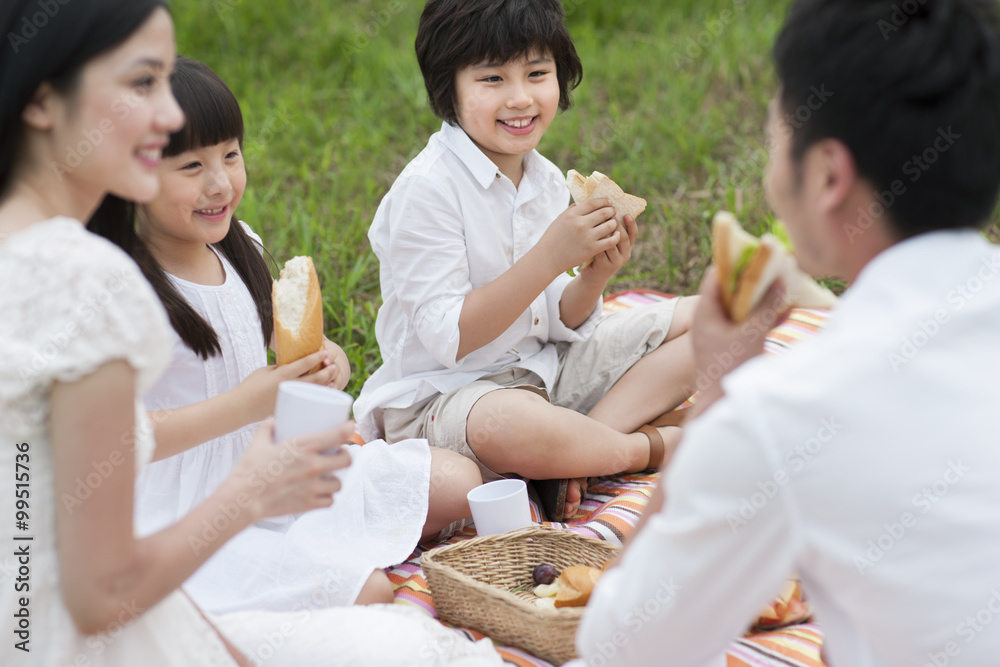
(611, 511)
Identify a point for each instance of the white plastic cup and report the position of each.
(500, 506)
(303, 408)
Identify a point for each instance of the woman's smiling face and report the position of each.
(109, 132)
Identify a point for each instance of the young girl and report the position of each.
(86, 109)
(489, 347)
(208, 270)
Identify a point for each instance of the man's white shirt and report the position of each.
(867, 460)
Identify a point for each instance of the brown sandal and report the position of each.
(656, 446)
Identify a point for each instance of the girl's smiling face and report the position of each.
(505, 108)
(200, 190)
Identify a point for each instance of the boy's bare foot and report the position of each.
(575, 493)
(559, 499)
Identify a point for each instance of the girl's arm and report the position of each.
(250, 401)
(107, 571)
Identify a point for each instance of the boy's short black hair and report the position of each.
(912, 88)
(458, 33)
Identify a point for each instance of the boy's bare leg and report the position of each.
(512, 430)
(452, 477)
(518, 431)
(658, 382)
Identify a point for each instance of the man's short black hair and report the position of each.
(912, 88)
(458, 33)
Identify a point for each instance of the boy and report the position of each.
(489, 347)
(869, 453)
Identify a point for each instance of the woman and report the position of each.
(85, 111)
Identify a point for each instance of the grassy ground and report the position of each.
(672, 106)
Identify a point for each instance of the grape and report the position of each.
(545, 574)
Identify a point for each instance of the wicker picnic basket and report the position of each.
(485, 584)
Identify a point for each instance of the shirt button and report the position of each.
(536, 321)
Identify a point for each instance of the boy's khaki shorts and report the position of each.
(587, 370)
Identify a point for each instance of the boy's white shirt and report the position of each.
(865, 460)
(452, 223)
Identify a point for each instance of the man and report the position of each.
(866, 460)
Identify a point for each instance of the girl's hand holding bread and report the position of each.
(258, 392)
(336, 360)
(303, 352)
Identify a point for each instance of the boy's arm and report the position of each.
(577, 302)
(420, 234)
(578, 299)
(489, 310)
(578, 233)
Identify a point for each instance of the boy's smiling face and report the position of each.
(505, 108)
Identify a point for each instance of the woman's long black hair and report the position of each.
(51, 42)
(213, 117)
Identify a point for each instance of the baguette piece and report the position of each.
(298, 311)
(747, 267)
(596, 186)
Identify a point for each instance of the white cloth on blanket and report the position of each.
(376, 518)
(403, 635)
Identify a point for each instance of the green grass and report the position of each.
(672, 106)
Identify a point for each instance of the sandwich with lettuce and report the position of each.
(748, 266)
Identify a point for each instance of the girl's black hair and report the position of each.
(213, 117)
(51, 41)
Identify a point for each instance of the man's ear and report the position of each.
(836, 173)
(38, 114)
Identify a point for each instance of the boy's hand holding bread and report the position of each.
(599, 186)
(579, 233)
(596, 233)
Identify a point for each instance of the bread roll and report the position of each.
(298, 311)
(576, 583)
(597, 186)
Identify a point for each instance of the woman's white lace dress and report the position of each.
(70, 302)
